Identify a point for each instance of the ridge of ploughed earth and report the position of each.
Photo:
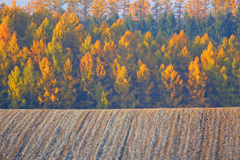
(120, 134)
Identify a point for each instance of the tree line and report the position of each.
(93, 57)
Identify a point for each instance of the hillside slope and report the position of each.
(120, 134)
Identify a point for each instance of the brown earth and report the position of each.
(120, 134)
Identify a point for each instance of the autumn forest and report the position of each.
(107, 54)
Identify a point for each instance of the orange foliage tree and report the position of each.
(171, 88)
(196, 85)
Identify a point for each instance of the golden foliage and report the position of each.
(143, 74)
(225, 6)
(178, 41)
(38, 50)
(172, 85)
(48, 93)
(5, 34)
(140, 9)
(175, 45)
(120, 72)
(15, 85)
(97, 48)
(194, 7)
(13, 48)
(45, 68)
(41, 32)
(109, 51)
(208, 58)
(125, 40)
(100, 70)
(99, 8)
(67, 69)
(196, 85)
(118, 29)
(86, 62)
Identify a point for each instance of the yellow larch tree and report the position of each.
(66, 30)
(41, 32)
(194, 7)
(15, 91)
(125, 98)
(15, 18)
(171, 87)
(126, 48)
(122, 78)
(97, 48)
(36, 5)
(144, 86)
(140, 9)
(47, 85)
(182, 61)
(219, 6)
(107, 36)
(175, 45)
(125, 40)
(99, 8)
(200, 44)
(196, 85)
(208, 59)
(100, 69)
(39, 9)
(65, 40)
(38, 51)
(228, 52)
(86, 45)
(233, 7)
(148, 42)
(7, 17)
(210, 67)
(13, 50)
(225, 6)
(149, 47)
(118, 29)
(109, 52)
(87, 73)
(30, 84)
(5, 36)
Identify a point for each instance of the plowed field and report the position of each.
(120, 134)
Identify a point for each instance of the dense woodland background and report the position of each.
(117, 54)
